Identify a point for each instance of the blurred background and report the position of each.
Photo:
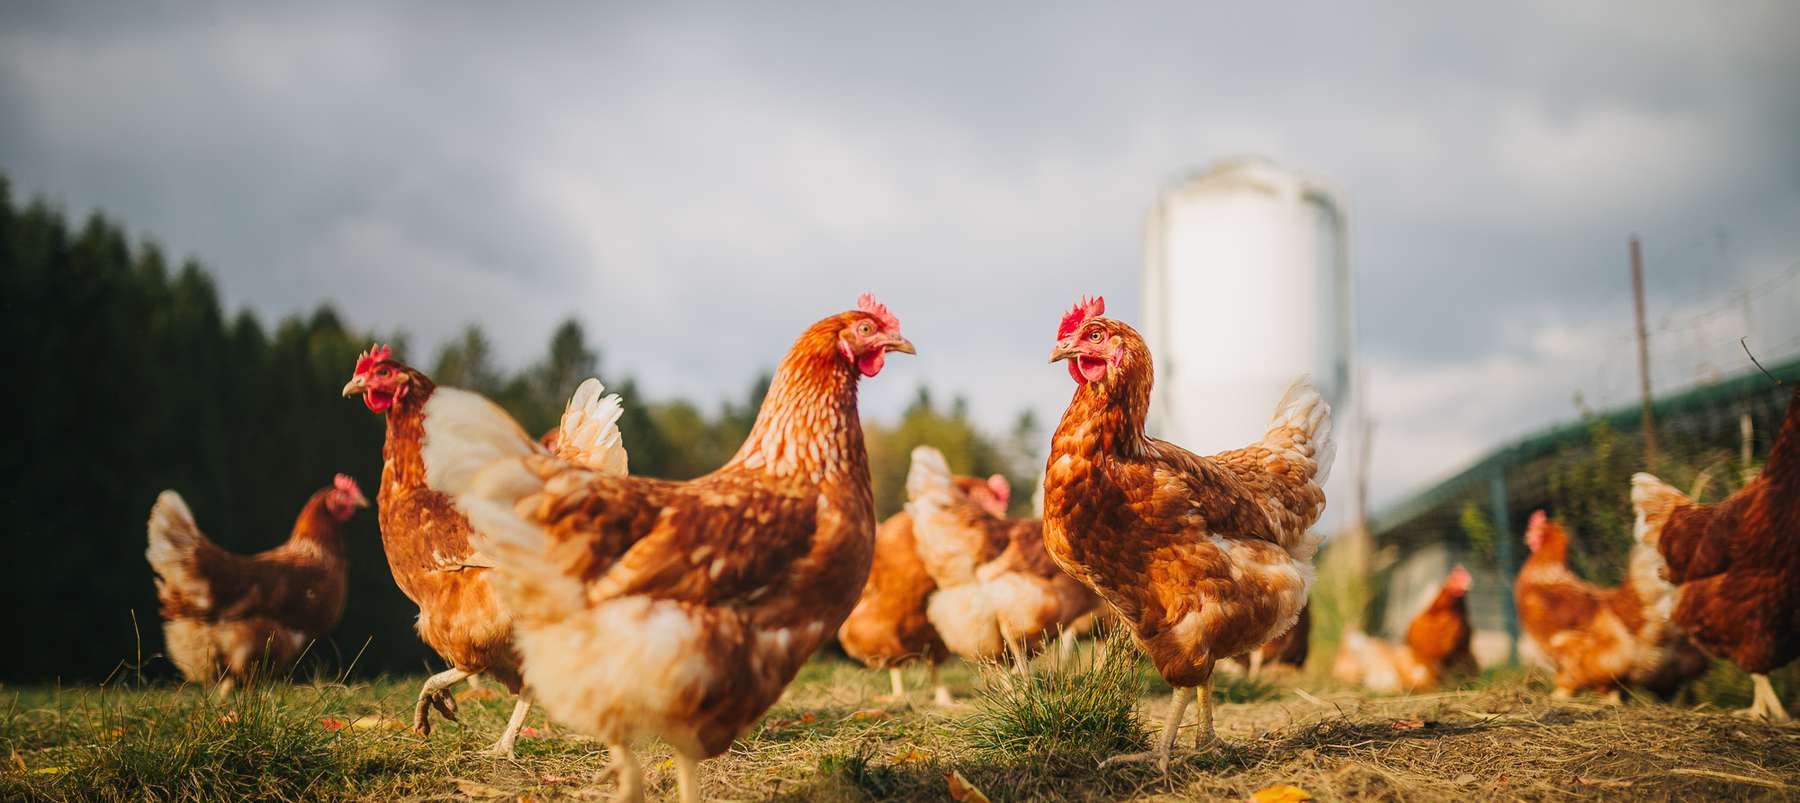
(208, 210)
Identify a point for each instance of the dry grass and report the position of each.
(833, 737)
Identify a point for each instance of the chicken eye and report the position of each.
(384, 372)
(865, 329)
(1094, 336)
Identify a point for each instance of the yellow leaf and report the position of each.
(50, 771)
(962, 791)
(911, 757)
(112, 733)
(666, 764)
(376, 722)
(475, 789)
(868, 714)
(1281, 793)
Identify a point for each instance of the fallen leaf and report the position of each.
(777, 724)
(50, 771)
(332, 723)
(1407, 724)
(962, 791)
(868, 714)
(1465, 779)
(112, 733)
(475, 789)
(18, 761)
(530, 732)
(230, 717)
(911, 757)
(376, 722)
(1281, 793)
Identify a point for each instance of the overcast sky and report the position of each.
(697, 183)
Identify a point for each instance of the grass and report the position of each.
(835, 737)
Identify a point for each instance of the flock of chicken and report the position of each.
(630, 607)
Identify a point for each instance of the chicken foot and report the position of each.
(898, 684)
(510, 736)
(624, 768)
(1177, 709)
(435, 694)
(1765, 703)
(940, 694)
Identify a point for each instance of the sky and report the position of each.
(696, 183)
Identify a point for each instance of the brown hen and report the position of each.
(1204, 558)
(1735, 565)
(226, 616)
(683, 609)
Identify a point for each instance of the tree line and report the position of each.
(128, 377)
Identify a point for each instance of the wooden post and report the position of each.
(1643, 344)
(1503, 549)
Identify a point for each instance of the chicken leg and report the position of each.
(940, 694)
(1177, 709)
(687, 776)
(1205, 737)
(434, 695)
(510, 736)
(899, 687)
(1765, 704)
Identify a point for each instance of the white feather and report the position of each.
(589, 434)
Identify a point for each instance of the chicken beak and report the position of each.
(901, 345)
(1061, 352)
(354, 386)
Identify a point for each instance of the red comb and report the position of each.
(998, 486)
(1079, 314)
(344, 483)
(375, 354)
(867, 303)
(1458, 580)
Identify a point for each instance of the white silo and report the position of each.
(1246, 285)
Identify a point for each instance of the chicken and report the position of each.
(683, 609)
(1599, 639)
(998, 591)
(888, 626)
(1203, 558)
(431, 548)
(228, 617)
(1437, 646)
(1735, 565)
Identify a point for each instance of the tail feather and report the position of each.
(1653, 500)
(948, 549)
(174, 538)
(589, 435)
(537, 576)
(1301, 429)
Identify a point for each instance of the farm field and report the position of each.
(835, 736)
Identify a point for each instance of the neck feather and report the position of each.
(808, 422)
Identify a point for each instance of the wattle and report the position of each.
(870, 364)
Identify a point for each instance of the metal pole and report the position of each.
(1503, 548)
(1643, 344)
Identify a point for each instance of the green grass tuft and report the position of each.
(1087, 705)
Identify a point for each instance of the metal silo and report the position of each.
(1246, 285)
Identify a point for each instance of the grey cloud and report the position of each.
(697, 181)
